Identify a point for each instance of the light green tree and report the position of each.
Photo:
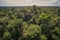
(32, 31)
(7, 35)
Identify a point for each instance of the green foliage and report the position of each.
(45, 16)
(43, 37)
(7, 35)
(32, 31)
(19, 38)
(30, 23)
(1, 38)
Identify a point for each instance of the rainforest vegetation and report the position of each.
(30, 23)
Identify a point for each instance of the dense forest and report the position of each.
(30, 23)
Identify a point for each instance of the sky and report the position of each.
(29, 2)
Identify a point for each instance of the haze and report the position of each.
(29, 2)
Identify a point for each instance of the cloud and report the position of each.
(29, 2)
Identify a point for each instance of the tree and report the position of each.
(30, 23)
(7, 35)
(32, 31)
(47, 24)
(43, 37)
